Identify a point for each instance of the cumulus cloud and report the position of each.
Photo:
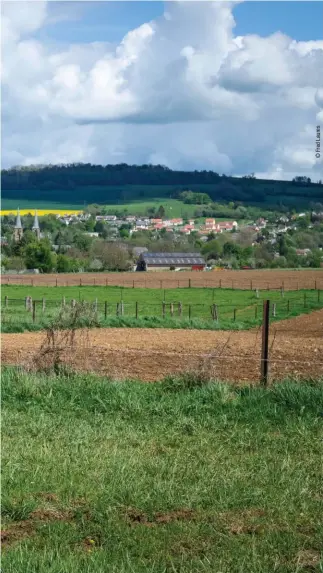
(182, 90)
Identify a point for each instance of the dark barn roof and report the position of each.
(167, 259)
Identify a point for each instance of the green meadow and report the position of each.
(171, 308)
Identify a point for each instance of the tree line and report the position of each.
(81, 183)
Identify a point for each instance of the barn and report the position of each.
(170, 261)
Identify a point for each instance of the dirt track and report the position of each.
(262, 279)
(296, 348)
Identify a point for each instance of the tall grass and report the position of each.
(186, 475)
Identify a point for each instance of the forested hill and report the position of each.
(79, 183)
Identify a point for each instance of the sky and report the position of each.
(236, 87)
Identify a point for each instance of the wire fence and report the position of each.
(295, 280)
(147, 355)
(24, 311)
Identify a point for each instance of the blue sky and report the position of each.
(110, 21)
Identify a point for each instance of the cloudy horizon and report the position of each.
(173, 84)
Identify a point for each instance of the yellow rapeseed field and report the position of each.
(41, 212)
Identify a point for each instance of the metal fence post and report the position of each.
(136, 309)
(189, 312)
(105, 310)
(34, 311)
(265, 344)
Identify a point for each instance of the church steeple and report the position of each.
(18, 230)
(35, 227)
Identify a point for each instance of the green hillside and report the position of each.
(122, 184)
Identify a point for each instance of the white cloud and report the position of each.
(181, 90)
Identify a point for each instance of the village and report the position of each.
(94, 242)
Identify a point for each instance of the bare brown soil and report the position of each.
(262, 279)
(296, 349)
(21, 529)
(136, 517)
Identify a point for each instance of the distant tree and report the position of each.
(39, 256)
(160, 213)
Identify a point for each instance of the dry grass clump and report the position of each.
(66, 341)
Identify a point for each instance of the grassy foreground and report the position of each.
(171, 477)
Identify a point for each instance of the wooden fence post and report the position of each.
(251, 285)
(32, 282)
(136, 309)
(34, 311)
(163, 308)
(180, 309)
(106, 282)
(105, 310)
(265, 344)
(220, 283)
(282, 291)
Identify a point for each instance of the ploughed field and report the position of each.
(296, 349)
(262, 279)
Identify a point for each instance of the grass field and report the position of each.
(168, 477)
(237, 309)
(11, 205)
(173, 208)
